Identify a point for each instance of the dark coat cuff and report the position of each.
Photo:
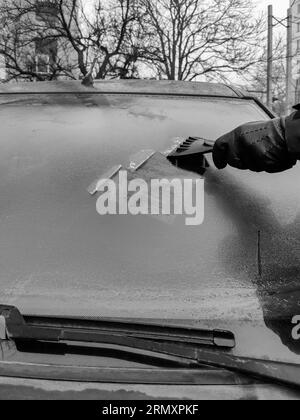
(292, 133)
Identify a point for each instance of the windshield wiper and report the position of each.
(118, 332)
(199, 346)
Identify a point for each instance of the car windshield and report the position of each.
(236, 271)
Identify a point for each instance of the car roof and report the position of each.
(151, 87)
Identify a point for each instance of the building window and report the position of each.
(42, 64)
(30, 66)
(298, 9)
(46, 9)
(298, 26)
(2, 68)
(298, 92)
(298, 46)
(45, 55)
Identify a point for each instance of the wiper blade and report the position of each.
(118, 332)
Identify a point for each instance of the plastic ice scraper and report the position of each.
(189, 154)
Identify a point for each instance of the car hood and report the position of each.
(239, 270)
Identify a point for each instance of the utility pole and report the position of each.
(289, 58)
(270, 58)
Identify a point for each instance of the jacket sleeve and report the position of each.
(292, 133)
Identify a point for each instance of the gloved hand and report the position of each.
(258, 146)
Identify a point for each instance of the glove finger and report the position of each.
(237, 163)
(280, 167)
(220, 152)
(278, 160)
(254, 159)
(227, 152)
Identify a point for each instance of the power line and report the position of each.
(270, 57)
(279, 22)
(293, 4)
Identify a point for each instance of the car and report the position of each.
(141, 307)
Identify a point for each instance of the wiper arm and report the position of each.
(278, 372)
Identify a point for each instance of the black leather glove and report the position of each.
(258, 146)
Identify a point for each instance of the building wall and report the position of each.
(2, 69)
(40, 55)
(2, 61)
(295, 6)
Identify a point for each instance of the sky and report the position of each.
(280, 6)
(279, 10)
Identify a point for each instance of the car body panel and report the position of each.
(161, 87)
(18, 389)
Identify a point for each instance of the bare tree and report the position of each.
(52, 38)
(112, 32)
(256, 80)
(192, 38)
(175, 39)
